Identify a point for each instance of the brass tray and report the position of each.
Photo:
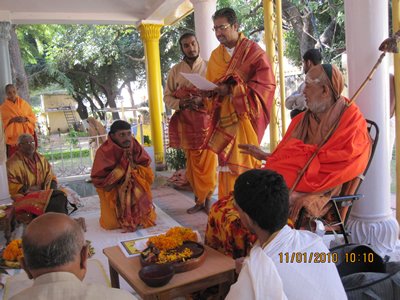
(197, 258)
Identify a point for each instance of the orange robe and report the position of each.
(13, 130)
(123, 179)
(188, 130)
(23, 173)
(343, 157)
(242, 117)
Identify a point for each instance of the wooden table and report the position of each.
(217, 269)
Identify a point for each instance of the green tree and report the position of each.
(306, 23)
(92, 62)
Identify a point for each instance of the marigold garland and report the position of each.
(13, 250)
(173, 238)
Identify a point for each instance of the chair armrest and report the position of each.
(347, 198)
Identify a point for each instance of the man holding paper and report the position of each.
(190, 122)
(241, 103)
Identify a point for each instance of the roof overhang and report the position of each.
(132, 12)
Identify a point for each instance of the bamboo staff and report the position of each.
(389, 45)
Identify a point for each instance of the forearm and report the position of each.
(171, 102)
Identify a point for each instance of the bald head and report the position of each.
(52, 240)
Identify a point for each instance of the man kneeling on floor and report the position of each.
(122, 175)
(284, 263)
(55, 256)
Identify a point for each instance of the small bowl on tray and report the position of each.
(157, 275)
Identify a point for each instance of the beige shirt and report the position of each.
(176, 80)
(66, 286)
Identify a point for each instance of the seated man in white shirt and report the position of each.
(55, 256)
(296, 102)
(284, 262)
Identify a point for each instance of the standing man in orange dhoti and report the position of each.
(122, 175)
(18, 118)
(190, 122)
(241, 103)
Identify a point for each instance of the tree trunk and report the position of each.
(17, 68)
(301, 24)
(82, 109)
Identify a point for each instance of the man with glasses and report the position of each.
(32, 183)
(122, 174)
(240, 105)
(190, 122)
(337, 131)
(56, 258)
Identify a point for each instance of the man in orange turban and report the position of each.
(340, 158)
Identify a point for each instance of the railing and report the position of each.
(73, 156)
(69, 156)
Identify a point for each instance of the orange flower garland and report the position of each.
(173, 238)
(13, 250)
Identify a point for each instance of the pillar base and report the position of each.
(161, 167)
(6, 201)
(381, 234)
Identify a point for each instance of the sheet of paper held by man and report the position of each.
(200, 82)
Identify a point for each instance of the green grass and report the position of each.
(66, 154)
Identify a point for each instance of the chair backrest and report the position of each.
(351, 187)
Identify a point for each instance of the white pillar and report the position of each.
(4, 193)
(371, 221)
(5, 66)
(203, 11)
(5, 78)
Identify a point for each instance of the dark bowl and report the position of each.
(156, 275)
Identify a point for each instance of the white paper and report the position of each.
(133, 247)
(200, 82)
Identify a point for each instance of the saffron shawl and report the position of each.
(252, 94)
(13, 130)
(23, 173)
(125, 178)
(343, 157)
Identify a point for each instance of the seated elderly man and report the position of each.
(262, 200)
(55, 257)
(122, 175)
(340, 157)
(32, 183)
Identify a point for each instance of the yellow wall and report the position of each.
(56, 119)
(58, 100)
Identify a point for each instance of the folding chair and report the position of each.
(341, 205)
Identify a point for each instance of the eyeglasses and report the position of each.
(28, 143)
(309, 81)
(222, 27)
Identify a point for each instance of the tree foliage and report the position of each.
(94, 62)
(306, 23)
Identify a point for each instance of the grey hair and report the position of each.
(57, 252)
(23, 136)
